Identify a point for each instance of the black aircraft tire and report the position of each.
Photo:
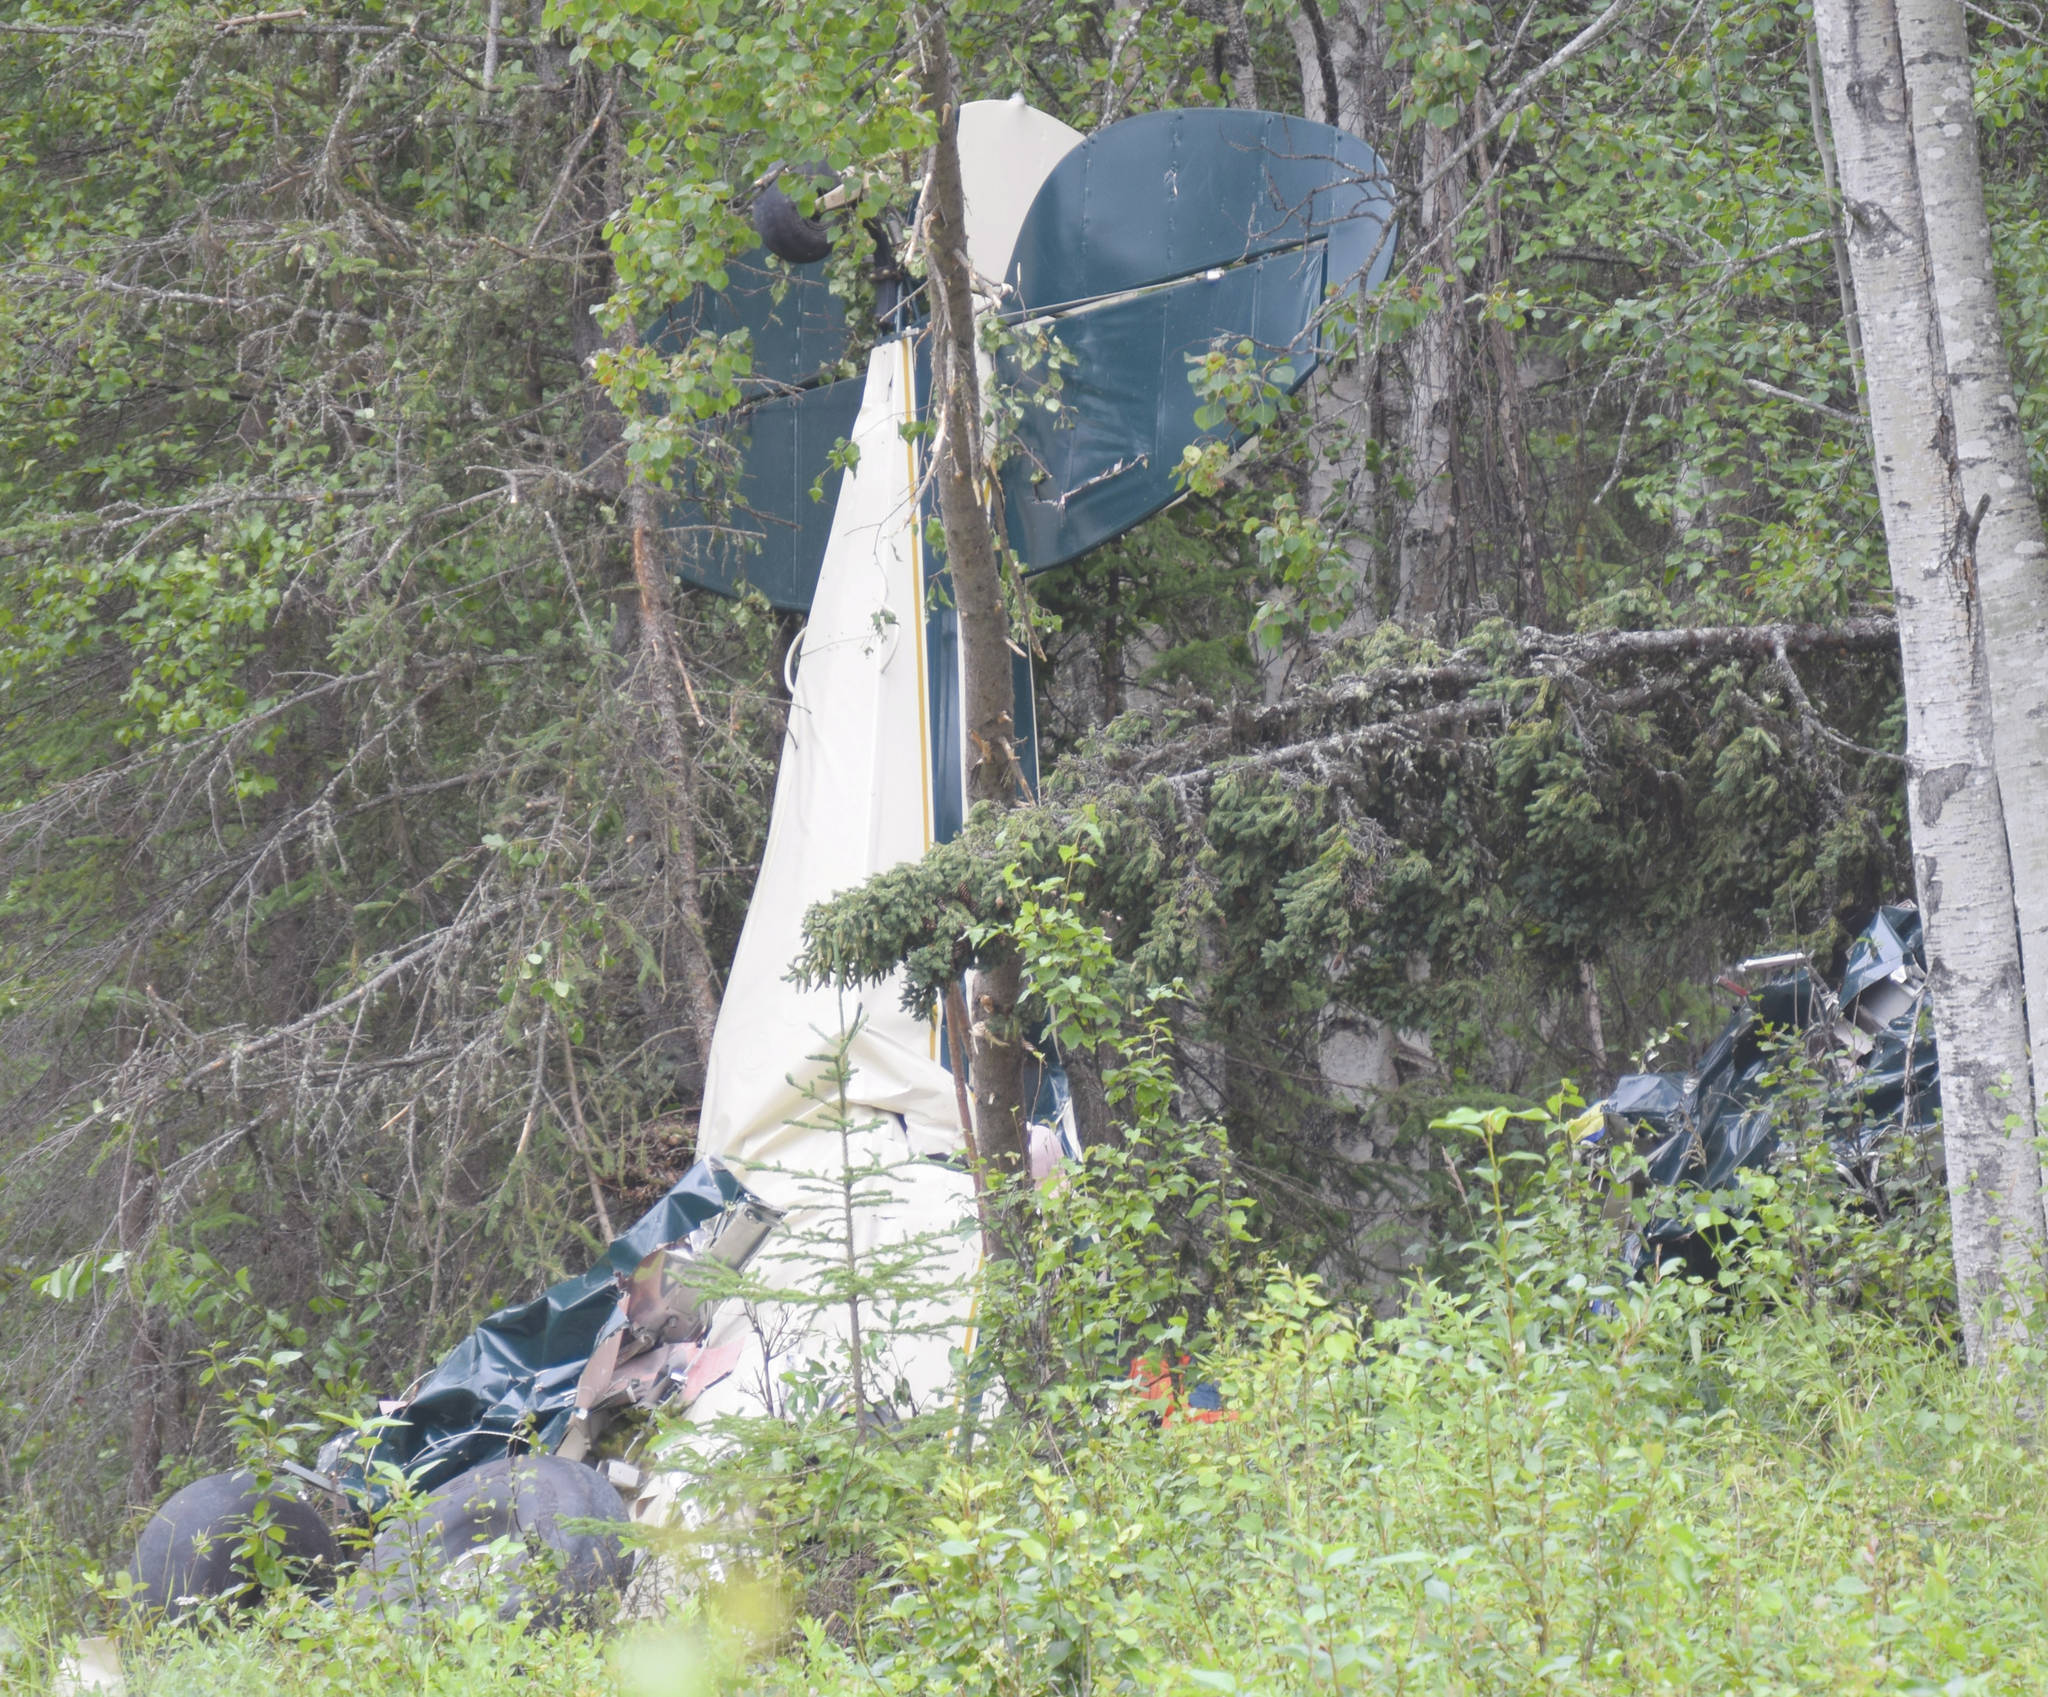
(786, 232)
(436, 1560)
(193, 1547)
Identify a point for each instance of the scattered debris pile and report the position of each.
(1870, 1042)
(490, 1440)
(519, 1379)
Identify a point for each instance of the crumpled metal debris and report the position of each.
(1871, 1042)
(657, 1351)
(529, 1374)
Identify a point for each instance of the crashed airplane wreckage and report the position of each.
(1136, 248)
(1870, 1042)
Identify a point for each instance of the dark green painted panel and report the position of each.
(784, 434)
(1279, 207)
(775, 539)
(1153, 240)
(518, 1370)
(794, 337)
(1173, 193)
(1105, 462)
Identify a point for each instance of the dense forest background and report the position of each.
(377, 825)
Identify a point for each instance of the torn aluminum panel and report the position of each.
(654, 1351)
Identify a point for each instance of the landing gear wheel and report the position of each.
(498, 1533)
(200, 1545)
(786, 232)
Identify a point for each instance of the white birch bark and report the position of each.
(2012, 549)
(1960, 865)
(1343, 58)
(1240, 69)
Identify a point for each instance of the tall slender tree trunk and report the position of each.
(666, 692)
(149, 1365)
(995, 1045)
(668, 701)
(1513, 467)
(1427, 542)
(1236, 68)
(2011, 544)
(1824, 145)
(1960, 864)
(1341, 49)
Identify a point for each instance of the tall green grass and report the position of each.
(1544, 1480)
(1432, 1510)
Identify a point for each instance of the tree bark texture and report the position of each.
(690, 979)
(1961, 868)
(1341, 52)
(988, 707)
(1824, 145)
(1998, 494)
(665, 685)
(1511, 469)
(1343, 489)
(1235, 67)
(1427, 534)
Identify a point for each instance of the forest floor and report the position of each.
(1528, 1487)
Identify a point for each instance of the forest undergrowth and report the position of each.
(1537, 1476)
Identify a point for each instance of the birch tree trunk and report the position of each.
(2011, 547)
(1343, 60)
(988, 710)
(1960, 865)
(1238, 71)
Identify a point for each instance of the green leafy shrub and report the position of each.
(1545, 1480)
